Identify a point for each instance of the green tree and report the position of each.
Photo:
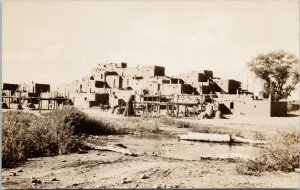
(279, 70)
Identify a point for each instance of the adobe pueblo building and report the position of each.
(31, 95)
(111, 85)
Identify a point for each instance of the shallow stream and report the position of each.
(187, 150)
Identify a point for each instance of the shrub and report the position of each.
(259, 136)
(280, 154)
(80, 123)
(26, 135)
(15, 135)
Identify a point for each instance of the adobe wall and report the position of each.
(192, 99)
(228, 86)
(169, 89)
(113, 81)
(278, 109)
(253, 108)
(187, 89)
(243, 105)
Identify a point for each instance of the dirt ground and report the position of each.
(112, 170)
(150, 169)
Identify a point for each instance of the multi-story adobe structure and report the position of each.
(30, 92)
(113, 83)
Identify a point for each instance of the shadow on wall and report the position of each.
(224, 109)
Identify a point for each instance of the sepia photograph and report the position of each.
(142, 94)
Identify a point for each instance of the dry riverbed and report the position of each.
(161, 162)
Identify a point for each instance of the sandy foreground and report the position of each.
(151, 168)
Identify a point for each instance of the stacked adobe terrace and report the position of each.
(112, 84)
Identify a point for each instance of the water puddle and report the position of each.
(187, 150)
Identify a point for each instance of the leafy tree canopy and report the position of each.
(279, 70)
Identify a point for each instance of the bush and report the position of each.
(280, 154)
(259, 136)
(80, 123)
(15, 136)
(26, 135)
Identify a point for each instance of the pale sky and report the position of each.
(60, 41)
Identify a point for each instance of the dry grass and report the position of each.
(169, 121)
(135, 125)
(280, 154)
(216, 130)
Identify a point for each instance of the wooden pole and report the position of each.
(167, 108)
(41, 105)
(56, 100)
(68, 99)
(9, 95)
(177, 105)
(49, 101)
(159, 104)
(172, 112)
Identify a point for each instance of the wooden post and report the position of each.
(141, 95)
(202, 100)
(167, 109)
(41, 105)
(172, 113)
(68, 99)
(159, 104)
(152, 105)
(177, 105)
(9, 95)
(159, 108)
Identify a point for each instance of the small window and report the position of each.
(231, 105)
